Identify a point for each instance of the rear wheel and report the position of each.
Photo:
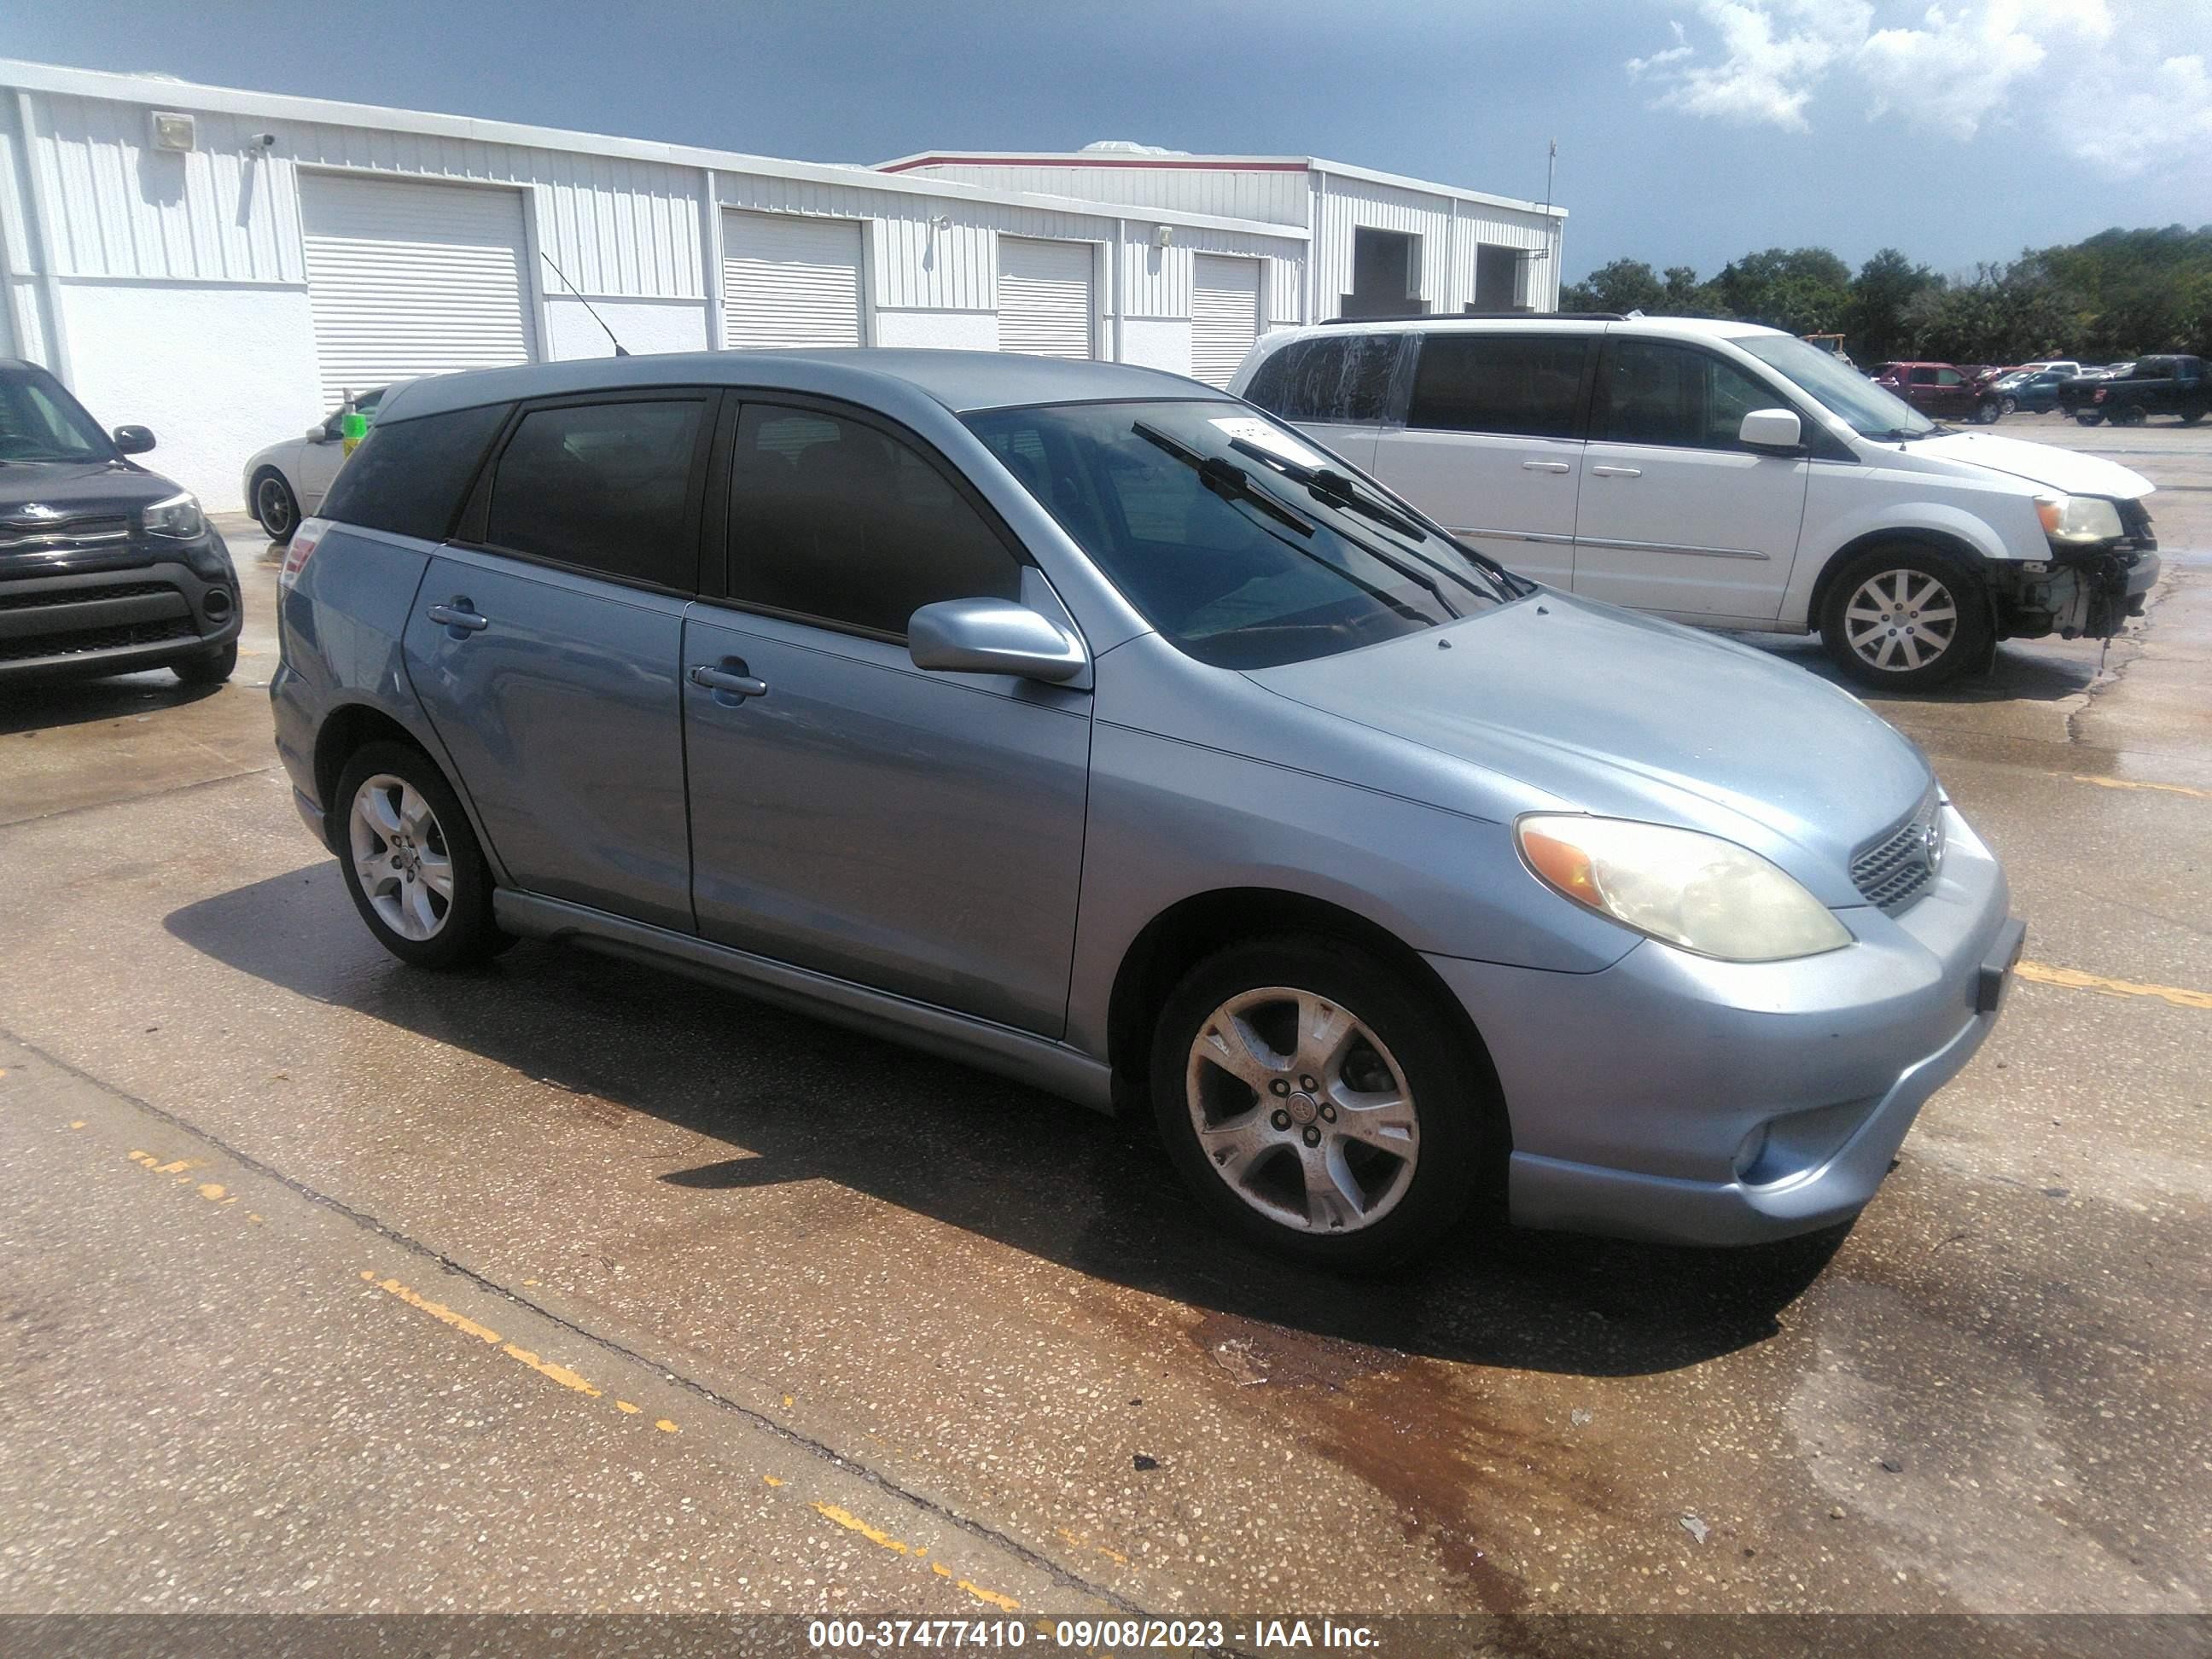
(411, 862)
(1321, 1104)
(2191, 416)
(2088, 416)
(2129, 414)
(1903, 618)
(275, 506)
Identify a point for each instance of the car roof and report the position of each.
(1688, 327)
(960, 381)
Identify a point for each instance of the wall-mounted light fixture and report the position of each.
(1163, 236)
(173, 131)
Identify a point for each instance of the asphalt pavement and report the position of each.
(567, 1285)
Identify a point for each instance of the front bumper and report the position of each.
(67, 623)
(1676, 1098)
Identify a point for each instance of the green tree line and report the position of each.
(2119, 294)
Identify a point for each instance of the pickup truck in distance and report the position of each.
(1942, 391)
(2154, 385)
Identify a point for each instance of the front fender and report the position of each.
(1970, 531)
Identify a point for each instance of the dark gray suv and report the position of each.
(1088, 724)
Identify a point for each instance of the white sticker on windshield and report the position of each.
(1272, 439)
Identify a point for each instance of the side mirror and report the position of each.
(993, 636)
(320, 434)
(1776, 429)
(133, 440)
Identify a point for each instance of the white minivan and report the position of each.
(1726, 475)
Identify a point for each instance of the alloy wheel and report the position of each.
(272, 505)
(400, 857)
(1901, 619)
(1302, 1111)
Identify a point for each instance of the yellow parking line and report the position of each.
(2128, 783)
(2044, 974)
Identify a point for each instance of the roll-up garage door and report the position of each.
(1225, 315)
(407, 279)
(1045, 303)
(788, 280)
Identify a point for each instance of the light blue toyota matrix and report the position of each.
(1091, 725)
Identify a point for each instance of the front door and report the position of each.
(1676, 514)
(547, 656)
(1492, 447)
(918, 832)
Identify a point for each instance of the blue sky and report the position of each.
(1688, 132)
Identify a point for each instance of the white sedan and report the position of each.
(286, 481)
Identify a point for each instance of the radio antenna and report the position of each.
(621, 351)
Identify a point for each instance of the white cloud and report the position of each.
(1954, 67)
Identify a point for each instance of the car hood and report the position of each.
(2044, 464)
(1626, 716)
(67, 489)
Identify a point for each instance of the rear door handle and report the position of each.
(459, 615)
(1546, 466)
(732, 678)
(1616, 472)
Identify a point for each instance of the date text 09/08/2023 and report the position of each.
(1168, 1635)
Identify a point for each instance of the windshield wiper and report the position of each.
(1338, 489)
(1233, 483)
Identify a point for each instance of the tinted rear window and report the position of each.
(606, 488)
(1527, 385)
(1343, 378)
(409, 477)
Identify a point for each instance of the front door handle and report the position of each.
(1546, 466)
(1616, 472)
(459, 615)
(732, 678)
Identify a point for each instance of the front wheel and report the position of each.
(411, 862)
(275, 506)
(1986, 412)
(1320, 1104)
(2010, 405)
(1903, 618)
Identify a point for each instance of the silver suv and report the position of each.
(1085, 723)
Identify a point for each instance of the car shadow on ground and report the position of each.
(80, 702)
(2021, 673)
(802, 1100)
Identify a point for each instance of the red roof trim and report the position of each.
(1188, 164)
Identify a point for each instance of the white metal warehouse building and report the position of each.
(223, 265)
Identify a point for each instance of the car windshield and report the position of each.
(1235, 538)
(40, 422)
(1870, 411)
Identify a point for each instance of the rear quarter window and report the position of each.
(409, 476)
(1341, 379)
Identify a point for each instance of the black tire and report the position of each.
(2191, 416)
(464, 933)
(1841, 625)
(1987, 411)
(1459, 1145)
(2129, 414)
(207, 668)
(2088, 416)
(275, 506)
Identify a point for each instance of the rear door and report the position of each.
(1675, 513)
(546, 644)
(1493, 443)
(1337, 386)
(920, 833)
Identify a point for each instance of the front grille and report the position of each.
(82, 595)
(62, 535)
(81, 641)
(1896, 868)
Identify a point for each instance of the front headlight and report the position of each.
(2078, 518)
(1696, 890)
(178, 516)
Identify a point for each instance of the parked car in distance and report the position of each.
(2034, 391)
(1726, 475)
(1085, 722)
(2064, 367)
(286, 481)
(105, 567)
(1943, 390)
(2151, 386)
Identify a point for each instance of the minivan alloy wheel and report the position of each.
(400, 855)
(1302, 1111)
(1901, 619)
